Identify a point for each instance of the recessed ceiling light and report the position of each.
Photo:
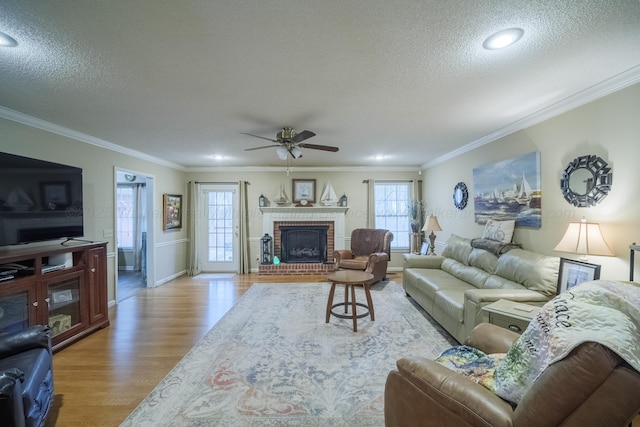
(378, 157)
(218, 157)
(7, 41)
(503, 38)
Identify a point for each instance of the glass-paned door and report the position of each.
(219, 229)
(65, 307)
(16, 309)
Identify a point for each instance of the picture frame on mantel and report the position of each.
(303, 189)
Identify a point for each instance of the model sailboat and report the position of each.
(282, 199)
(328, 197)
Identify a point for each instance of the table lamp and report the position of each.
(432, 225)
(584, 238)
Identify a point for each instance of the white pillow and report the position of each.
(500, 231)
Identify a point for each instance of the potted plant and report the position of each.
(417, 209)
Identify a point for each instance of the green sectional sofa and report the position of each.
(455, 286)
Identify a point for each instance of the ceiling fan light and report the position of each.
(296, 152)
(282, 153)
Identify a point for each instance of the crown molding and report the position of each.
(35, 122)
(295, 169)
(604, 88)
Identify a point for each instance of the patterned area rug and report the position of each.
(273, 361)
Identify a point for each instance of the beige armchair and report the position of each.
(370, 251)
(592, 386)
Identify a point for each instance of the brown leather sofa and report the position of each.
(370, 251)
(592, 386)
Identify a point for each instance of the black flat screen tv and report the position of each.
(39, 200)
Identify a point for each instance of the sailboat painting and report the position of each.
(509, 189)
(328, 197)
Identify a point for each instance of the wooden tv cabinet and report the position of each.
(62, 285)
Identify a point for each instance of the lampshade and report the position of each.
(432, 224)
(282, 152)
(296, 152)
(584, 238)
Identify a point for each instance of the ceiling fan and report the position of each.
(290, 142)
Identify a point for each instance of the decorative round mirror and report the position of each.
(586, 181)
(460, 195)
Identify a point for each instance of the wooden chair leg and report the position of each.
(330, 301)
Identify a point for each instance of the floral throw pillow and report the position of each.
(500, 231)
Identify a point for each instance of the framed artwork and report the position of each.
(172, 211)
(509, 189)
(574, 272)
(424, 248)
(304, 189)
(56, 195)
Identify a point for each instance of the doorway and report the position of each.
(133, 234)
(219, 247)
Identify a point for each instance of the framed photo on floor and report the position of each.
(574, 272)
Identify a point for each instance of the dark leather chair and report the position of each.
(26, 377)
(370, 251)
(591, 387)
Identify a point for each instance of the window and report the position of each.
(126, 214)
(391, 202)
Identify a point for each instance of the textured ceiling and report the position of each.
(409, 79)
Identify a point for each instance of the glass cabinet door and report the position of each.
(64, 299)
(14, 311)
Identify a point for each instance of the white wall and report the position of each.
(608, 127)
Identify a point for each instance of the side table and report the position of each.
(350, 278)
(511, 315)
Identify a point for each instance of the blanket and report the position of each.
(606, 312)
(493, 246)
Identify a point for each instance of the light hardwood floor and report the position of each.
(99, 380)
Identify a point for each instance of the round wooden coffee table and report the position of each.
(350, 278)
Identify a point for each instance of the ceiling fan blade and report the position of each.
(258, 136)
(305, 134)
(260, 148)
(319, 147)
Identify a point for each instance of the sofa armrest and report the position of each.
(38, 336)
(476, 299)
(423, 392)
(491, 339)
(422, 261)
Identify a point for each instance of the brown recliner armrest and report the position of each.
(491, 339)
(341, 254)
(424, 393)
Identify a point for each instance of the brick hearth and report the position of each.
(302, 269)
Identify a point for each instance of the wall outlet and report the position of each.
(107, 232)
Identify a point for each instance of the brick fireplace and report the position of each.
(314, 219)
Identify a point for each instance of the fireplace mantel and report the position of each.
(335, 214)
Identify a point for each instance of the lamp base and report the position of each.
(432, 245)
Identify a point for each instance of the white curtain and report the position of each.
(193, 254)
(139, 223)
(371, 208)
(244, 265)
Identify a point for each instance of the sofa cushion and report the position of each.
(432, 281)
(356, 263)
(483, 259)
(500, 231)
(458, 248)
(534, 271)
(472, 275)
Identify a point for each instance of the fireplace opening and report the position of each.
(304, 244)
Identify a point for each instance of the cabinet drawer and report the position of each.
(515, 325)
